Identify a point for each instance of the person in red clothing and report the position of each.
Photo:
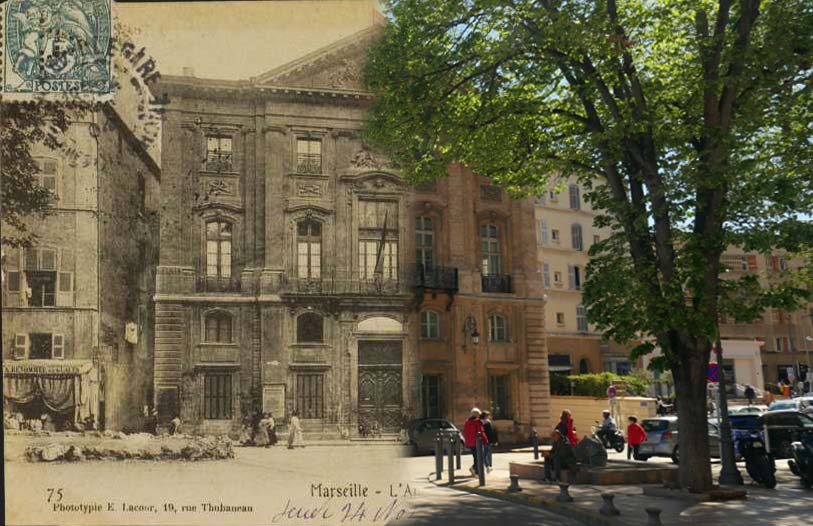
(470, 430)
(635, 436)
(566, 427)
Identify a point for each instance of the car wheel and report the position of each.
(675, 457)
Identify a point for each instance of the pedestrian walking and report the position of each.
(750, 394)
(271, 429)
(567, 428)
(473, 426)
(175, 426)
(491, 434)
(636, 435)
(295, 432)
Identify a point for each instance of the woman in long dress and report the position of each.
(295, 432)
(261, 435)
(272, 433)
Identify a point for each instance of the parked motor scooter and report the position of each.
(802, 462)
(758, 461)
(614, 439)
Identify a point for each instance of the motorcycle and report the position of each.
(758, 461)
(613, 439)
(802, 462)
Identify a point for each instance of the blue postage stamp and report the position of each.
(57, 46)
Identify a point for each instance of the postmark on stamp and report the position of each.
(57, 47)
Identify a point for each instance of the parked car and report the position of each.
(795, 404)
(784, 428)
(421, 433)
(742, 425)
(747, 409)
(662, 439)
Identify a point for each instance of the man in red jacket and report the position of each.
(470, 430)
(635, 436)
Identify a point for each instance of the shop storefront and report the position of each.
(66, 391)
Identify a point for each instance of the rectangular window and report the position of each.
(310, 395)
(13, 281)
(546, 274)
(430, 386)
(581, 319)
(596, 239)
(490, 247)
(20, 346)
(554, 235)
(575, 199)
(543, 232)
(777, 344)
(574, 277)
(217, 396)
(219, 155)
(57, 346)
(41, 346)
(378, 220)
(47, 175)
(557, 278)
(552, 195)
(65, 281)
(309, 155)
(560, 318)
(499, 388)
(576, 236)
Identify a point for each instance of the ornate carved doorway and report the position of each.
(380, 396)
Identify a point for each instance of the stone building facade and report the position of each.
(288, 281)
(77, 306)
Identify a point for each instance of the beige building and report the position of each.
(565, 233)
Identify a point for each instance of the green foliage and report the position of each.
(596, 384)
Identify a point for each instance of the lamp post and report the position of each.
(729, 474)
(470, 324)
(808, 373)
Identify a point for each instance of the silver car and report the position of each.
(422, 433)
(662, 439)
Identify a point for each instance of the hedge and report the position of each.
(596, 384)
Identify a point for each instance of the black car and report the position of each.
(422, 433)
(784, 428)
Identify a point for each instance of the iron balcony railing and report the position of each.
(355, 283)
(434, 277)
(219, 162)
(496, 283)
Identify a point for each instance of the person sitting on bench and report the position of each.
(561, 456)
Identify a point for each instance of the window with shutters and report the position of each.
(218, 327)
(217, 396)
(219, 155)
(498, 328)
(47, 175)
(41, 276)
(378, 223)
(39, 346)
(309, 155)
(425, 241)
(581, 318)
(543, 232)
(218, 249)
(490, 240)
(309, 249)
(430, 325)
(310, 328)
(575, 199)
(546, 274)
(576, 235)
(574, 277)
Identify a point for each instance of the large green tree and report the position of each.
(689, 121)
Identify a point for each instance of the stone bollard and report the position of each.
(481, 466)
(607, 507)
(563, 495)
(514, 487)
(535, 442)
(654, 517)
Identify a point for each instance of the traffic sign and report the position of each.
(611, 392)
(713, 374)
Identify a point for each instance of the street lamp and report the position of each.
(808, 373)
(729, 474)
(470, 324)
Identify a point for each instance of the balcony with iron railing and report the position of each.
(218, 284)
(435, 277)
(309, 163)
(219, 162)
(496, 283)
(332, 283)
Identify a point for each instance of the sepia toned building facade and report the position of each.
(77, 309)
(288, 279)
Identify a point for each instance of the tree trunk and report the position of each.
(694, 470)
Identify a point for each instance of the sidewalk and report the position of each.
(788, 505)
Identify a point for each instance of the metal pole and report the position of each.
(438, 456)
(535, 442)
(481, 471)
(458, 449)
(729, 473)
(451, 459)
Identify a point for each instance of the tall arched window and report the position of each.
(309, 328)
(430, 325)
(425, 241)
(309, 249)
(218, 327)
(490, 236)
(218, 249)
(498, 328)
